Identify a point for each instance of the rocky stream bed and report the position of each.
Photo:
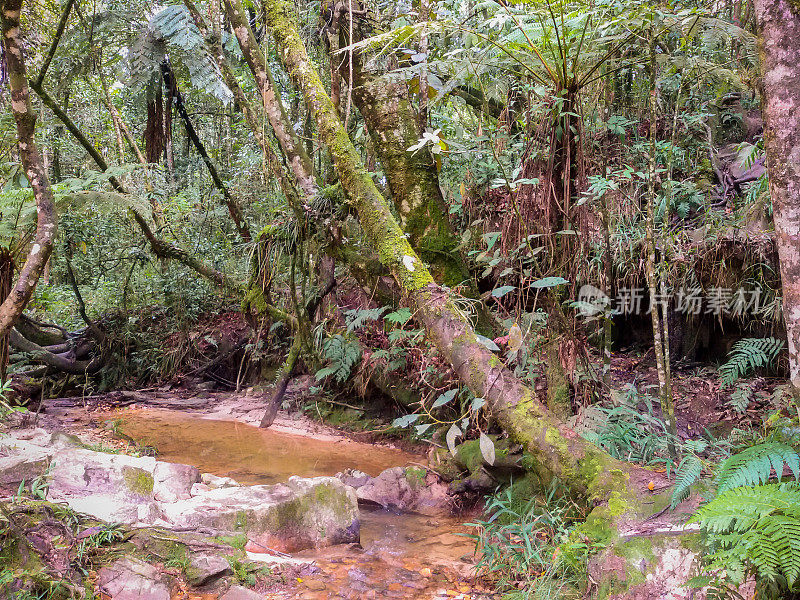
(231, 511)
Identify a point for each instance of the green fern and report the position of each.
(748, 354)
(358, 317)
(757, 527)
(740, 398)
(688, 472)
(342, 355)
(755, 465)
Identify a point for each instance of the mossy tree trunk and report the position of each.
(384, 102)
(779, 26)
(556, 449)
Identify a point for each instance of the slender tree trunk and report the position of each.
(154, 128)
(6, 280)
(297, 157)
(779, 26)
(25, 118)
(233, 206)
(654, 276)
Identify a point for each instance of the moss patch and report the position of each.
(138, 481)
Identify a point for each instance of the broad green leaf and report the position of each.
(485, 341)
(548, 282)
(478, 403)
(405, 420)
(444, 398)
(502, 291)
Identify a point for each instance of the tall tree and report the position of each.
(779, 27)
(31, 160)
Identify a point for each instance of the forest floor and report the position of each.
(400, 556)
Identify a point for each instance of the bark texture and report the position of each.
(31, 160)
(779, 26)
(413, 178)
(298, 159)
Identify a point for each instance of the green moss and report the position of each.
(234, 541)
(636, 549)
(416, 477)
(254, 301)
(241, 520)
(138, 481)
(469, 456)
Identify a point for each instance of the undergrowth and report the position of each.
(525, 546)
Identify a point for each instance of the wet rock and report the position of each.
(203, 568)
(407, 489)
(132, 579)
(199, 489)
(302, 513)
(353, 477)
(238, 592)
(214, 481)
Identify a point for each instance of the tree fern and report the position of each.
(172, 29)
(755, 465)
(748, 354)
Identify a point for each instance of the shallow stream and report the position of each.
(403, 555)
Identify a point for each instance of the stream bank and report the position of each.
(400, 554)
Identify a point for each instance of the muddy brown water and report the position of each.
(403, 555)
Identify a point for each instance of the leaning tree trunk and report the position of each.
(558, 451)
(31, 160)
(779, 26)
(623, 519)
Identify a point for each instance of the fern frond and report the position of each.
(357, 318)
(755, 465)
(173, 29)
(748, 354)
(740, 398)
(688, 472)
(738, 509)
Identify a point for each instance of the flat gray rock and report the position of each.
(238, 592)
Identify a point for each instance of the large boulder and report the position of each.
(25, 456)
(117, 487)
(301, 513)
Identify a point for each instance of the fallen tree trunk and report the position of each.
(558, 450)
(65, 362)
(626, 514)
